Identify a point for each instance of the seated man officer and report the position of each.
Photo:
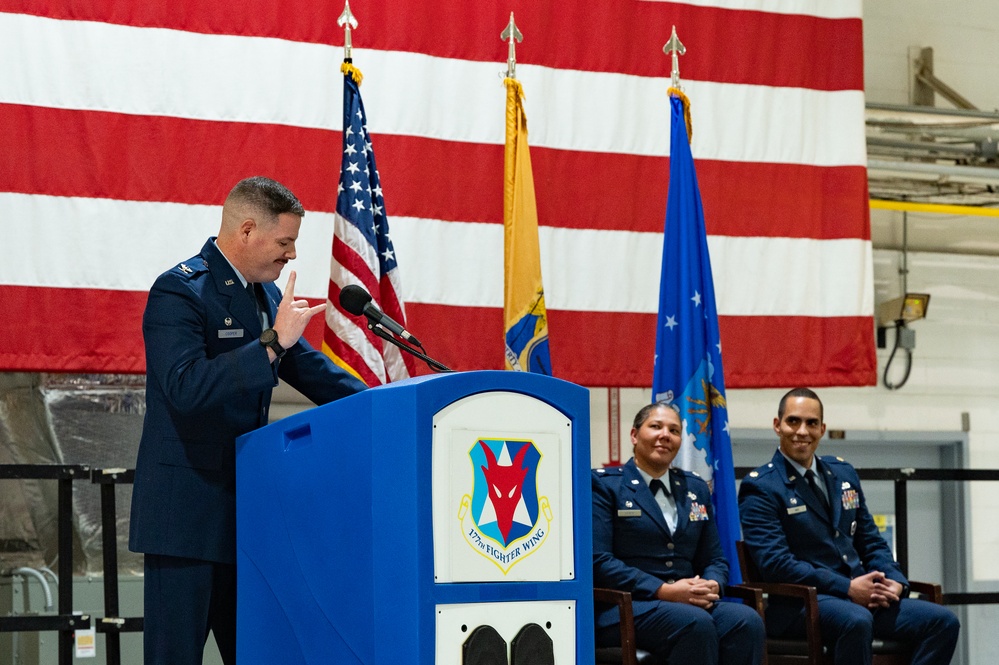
(654, 535)
(805, 521)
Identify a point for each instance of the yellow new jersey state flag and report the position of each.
(524, 317)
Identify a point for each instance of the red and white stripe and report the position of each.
(124, 125)
(346, 338)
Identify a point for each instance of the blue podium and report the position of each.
(391, 526)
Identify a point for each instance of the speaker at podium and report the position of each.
(442, 519)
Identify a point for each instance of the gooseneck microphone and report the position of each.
(357, 301)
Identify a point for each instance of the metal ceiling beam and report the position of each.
(958, 114)
(977, 174)
(926, 146)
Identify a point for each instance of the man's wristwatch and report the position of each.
(269, 339)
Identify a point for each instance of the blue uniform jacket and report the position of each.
(633, 549)
(793, 539)
(208, 381)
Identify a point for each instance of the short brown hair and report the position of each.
(267, 195)
(798, 392)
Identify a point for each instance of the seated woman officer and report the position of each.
(654, 535)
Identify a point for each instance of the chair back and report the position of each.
(750, 573)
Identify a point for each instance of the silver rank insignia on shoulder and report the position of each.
(230, 282)
(184, 268)
(841, 459)
(754, 474)
(228, 321)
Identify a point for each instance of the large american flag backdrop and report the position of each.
(123, 124)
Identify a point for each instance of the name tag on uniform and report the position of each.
(226, 334)
(629, 513)
(796, 509)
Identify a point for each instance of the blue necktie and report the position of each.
(813, 483)
(257, 294)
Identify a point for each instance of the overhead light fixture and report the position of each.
(897, 313)
(906, 309)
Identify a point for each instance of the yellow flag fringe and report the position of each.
(675, 92)
(347, 69)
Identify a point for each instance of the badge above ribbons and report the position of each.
(505, 519)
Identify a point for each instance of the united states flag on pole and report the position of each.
(363, 254)
(124, 124)
(688, 363)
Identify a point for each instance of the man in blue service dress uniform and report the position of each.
(654, 535)
(218, 335)
(805, 521)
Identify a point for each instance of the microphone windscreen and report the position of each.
(353, 298)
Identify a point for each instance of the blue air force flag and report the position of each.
(688, 362)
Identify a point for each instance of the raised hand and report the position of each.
(293, 315)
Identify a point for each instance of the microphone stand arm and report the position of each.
(389, 337)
